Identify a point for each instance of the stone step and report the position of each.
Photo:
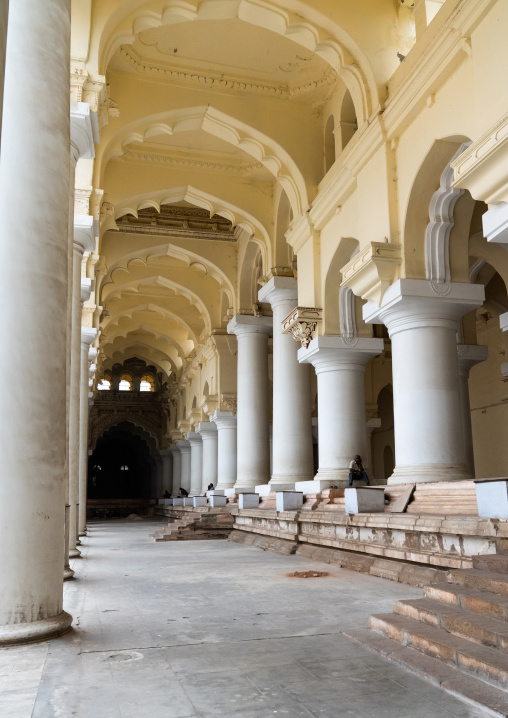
(463, 686)
(481, 580)
(458, 621)
(482, 661)
(497, 562)
(483, 602)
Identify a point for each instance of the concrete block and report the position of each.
(177, 502)
(248, 501)
(168, 502)
(199, 501)
(364, 500)
(160, 502)
(218, 501)
(266, 489)
(215, 492)
(492, 499)
(188, 501)
(230, 493)
(312, 487)
(289, 500)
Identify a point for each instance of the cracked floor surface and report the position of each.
(212, 628)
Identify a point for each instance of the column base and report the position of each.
(74, 553)
(247, 488)
(289, 479)
(35, 631)
(82, 533)
(428, 473)
(223, 486)
(333, 475)
(78, 542)
(313, 487)
(68, 574)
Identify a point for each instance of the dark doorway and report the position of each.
(120, 467)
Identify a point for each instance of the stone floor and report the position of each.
(184, 629)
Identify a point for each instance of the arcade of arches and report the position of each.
(284, 247)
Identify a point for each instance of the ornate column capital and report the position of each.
(224, 420)
(243, 324)
(84, 131)
(193, 438)
(415, 303)
(302, 323)
(86, 289)
(370, 272)
(207, 430)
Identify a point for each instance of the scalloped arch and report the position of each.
(214, 122)
(151, 306)
(214, 205)
(335, 46)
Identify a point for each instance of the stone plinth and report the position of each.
(177, 502)
(312, 487)
(289, 500)
(188, 501)
(365, 500)
(218, 501)
(199, 501)
(492, 498)
(248, 501)
(167, 502)
(265, 489)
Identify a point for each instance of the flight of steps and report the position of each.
(173, 530)
(455, 637)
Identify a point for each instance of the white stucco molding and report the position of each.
(84, 234)
(370, 272)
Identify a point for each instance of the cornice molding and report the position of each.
(182, 161)
(223, 82)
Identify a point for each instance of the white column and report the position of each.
(196, 466)
(167, 470)
(185, 466)
(468, 355)
(84, 241)
(340, 371)
(253, 451)
(226, 449)
(429, 442)
(292, 420)
(208, 432)
(177, 469)
(88, 336)
(34, 200)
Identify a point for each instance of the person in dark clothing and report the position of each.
(183, 492)
(356, 471)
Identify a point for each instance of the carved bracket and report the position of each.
(302, 324)
(370, 273)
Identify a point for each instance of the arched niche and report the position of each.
(283, 251)
(251, 270)
(348, 119)
(329, 143)
(348, 246)
(429, 213)
(383, 437)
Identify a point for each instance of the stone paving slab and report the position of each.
(212, 628)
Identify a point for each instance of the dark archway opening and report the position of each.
(120, 467)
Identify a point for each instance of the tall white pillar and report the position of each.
(428, 418)
(196, 466)
(177, 469)
(84, 241)
(34, 200)
(88, 336)
(185, 465)
(167, 470)
(340, 370)
(208, 432)
(468, 355)
(292, 420)
(253, 451)
(226, 449)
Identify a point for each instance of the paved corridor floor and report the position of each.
(211, 628)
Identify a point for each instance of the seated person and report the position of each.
(166, 495)
(356, 471)
(183, 493)
(210, 487)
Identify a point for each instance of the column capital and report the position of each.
(88, 336)
(165, 452)
(92, 353)
(224, 419)
(242, 324)
(207, 430)
(174, 449)
(184, 446)
(336, 353)
(279, 290)
(470, 354)
(86, 289)
(84, 234)
(417, 303)
(193, 438)
(84, 131)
